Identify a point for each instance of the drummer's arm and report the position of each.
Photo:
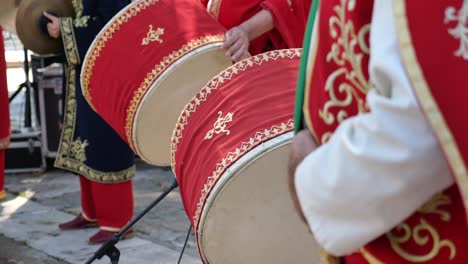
(238, 38)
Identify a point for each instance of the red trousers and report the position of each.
(111, 205)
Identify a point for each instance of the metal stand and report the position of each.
(28, 87)
(185, 243)
(109, 248)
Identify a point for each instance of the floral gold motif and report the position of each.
(153, 35)
(424, 227)
(460, 31)
(220, 125)
(78, 149)
(80, 20)
(348, 50)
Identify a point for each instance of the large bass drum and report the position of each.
(146, 64)
(229, 154)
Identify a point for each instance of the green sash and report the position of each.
(298, 114)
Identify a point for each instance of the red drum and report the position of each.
(229, 154)
(146, 64)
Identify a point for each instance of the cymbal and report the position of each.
(8, 14)
(31, 25)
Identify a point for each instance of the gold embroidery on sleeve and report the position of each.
(349, 49)
(423, 233)
(220, 125)
(153, 35)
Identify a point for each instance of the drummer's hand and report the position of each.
(4, 143)
(53, 27)
(301, 146)
(236, 43)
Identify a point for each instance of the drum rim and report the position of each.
(212, 46)
(243, 162)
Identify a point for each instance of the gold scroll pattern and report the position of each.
(424, 233)
(348, 52)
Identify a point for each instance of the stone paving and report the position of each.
(37, 203)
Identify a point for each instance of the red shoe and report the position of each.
(78, 223)
(103, 236)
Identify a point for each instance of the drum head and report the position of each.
(160, 108)
(249, 217)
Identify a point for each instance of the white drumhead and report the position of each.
(160, 108)
(249, 216)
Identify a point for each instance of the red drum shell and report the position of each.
(229, 154)
(146, 64)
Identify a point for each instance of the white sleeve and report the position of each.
(379, 167)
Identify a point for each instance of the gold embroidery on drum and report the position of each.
(153, 35)
(460, 31)
(215, 82)
(417, 232)
(349, 48)
(102, 39)
(78, 149)
(80, 20)
(220, 125)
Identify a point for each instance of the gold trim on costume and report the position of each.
(156, 72)
(69, 41)
(244, 147)
(111, 229)
(310, 68)
(428, 103)
(153, 35)
(371, 259)
(106, 34)
(80, 20)
(220, 125)
(213, 7)
(66, 158)
(86, 217)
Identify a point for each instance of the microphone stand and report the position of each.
(109, 248)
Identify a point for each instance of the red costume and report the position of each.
(436, 63)
(4, 115)
(289, 17)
